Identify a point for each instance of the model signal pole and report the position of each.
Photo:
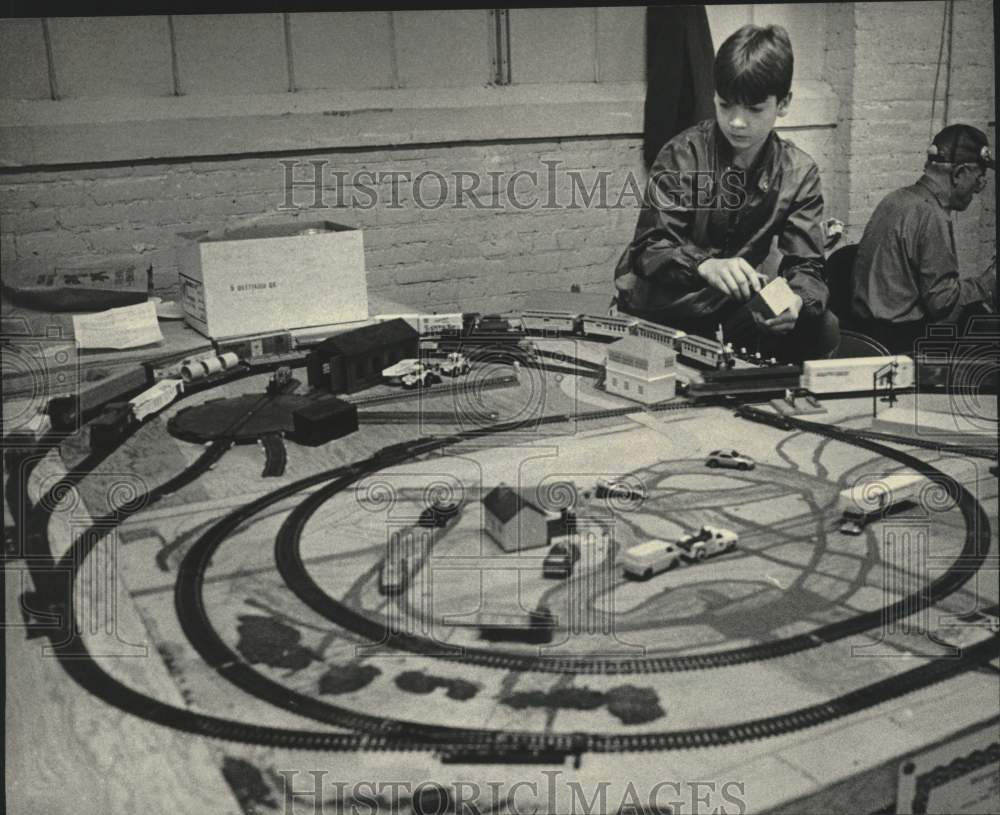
(887, 375)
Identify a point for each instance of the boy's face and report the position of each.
(748, 126)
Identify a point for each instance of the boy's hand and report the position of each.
(732, 276)
(785, 321)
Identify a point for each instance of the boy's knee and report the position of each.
(822, 334)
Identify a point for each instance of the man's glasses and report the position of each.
(981, 178)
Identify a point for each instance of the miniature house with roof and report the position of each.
(353, 360)
(640, 369)
(515, 520)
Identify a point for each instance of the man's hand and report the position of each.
(732, 276)
(784, 322)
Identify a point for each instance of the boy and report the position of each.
(718, 194)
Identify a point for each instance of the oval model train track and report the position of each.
(381, 733)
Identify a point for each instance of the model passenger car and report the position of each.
(731, 459)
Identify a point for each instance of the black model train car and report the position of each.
(111, 427)
(747, 380)
(70, 411)
(536, 626)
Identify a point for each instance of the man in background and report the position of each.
(906, 271)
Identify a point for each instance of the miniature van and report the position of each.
(652, 557)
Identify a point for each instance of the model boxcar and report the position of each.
(155, 398)
(541, 321)
(857, 374)
(865, 500)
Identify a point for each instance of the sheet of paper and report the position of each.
(170, 310)
(125, 327)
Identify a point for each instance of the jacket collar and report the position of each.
(765, 166)
(936, 188)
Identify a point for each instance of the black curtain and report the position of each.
(679, 60)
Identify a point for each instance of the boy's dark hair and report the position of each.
(754, 63)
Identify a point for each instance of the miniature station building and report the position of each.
(354, 360)
(517, 522)
(640, 369)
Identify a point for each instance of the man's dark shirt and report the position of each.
(906, 269)
(699, 206)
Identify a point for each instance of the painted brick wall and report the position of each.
(880, 58)
(438, 255)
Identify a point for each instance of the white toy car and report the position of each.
(422, 378)
(709, 540)
(731, 459)
(455, 365)
(652, 557)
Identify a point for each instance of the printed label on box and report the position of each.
(193, 299)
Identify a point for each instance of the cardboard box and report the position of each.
(774, 299)
(272, 277)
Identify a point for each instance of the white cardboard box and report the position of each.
(272, 277)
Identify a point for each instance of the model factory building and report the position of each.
(352, 361)
(641, 370)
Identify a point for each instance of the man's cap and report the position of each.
(961, 144)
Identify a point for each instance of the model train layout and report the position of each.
(399, 550)
(451, 334)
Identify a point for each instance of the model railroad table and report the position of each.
(314, 641)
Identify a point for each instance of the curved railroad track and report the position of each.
(381, 733)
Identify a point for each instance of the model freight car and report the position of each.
(866, 500)
(69, 412)
(111, 427)
(747, 380)
(500, 324)
(550, 322)
(427, 325)
(857, 374)
(205, 367)
(535, 626)
(156, 398)
(258, 346)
